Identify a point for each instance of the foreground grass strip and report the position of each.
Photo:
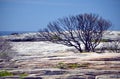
(5, 73)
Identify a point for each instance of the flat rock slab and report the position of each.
(109, 76)
(39, 61)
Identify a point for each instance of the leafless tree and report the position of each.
(86, 29)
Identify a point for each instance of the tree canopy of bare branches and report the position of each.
(86, 29)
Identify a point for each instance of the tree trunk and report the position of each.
(87, 49)
(79, 49)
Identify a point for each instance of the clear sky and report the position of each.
(31, 15)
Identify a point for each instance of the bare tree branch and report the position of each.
(86, 29)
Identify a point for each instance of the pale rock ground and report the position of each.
(45, 49)
(39, 59)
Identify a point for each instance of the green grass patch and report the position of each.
(5, 73)
(23, 75)
(106, 40)
(84, 65)
(62, 65)
(72, 65)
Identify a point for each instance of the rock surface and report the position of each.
(39, 61)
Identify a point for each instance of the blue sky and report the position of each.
(31, 15)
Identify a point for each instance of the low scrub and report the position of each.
(106, 40)
(23, 40)
(14, 33)
(23, 75)
(71, 65)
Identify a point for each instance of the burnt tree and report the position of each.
(83, 29)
